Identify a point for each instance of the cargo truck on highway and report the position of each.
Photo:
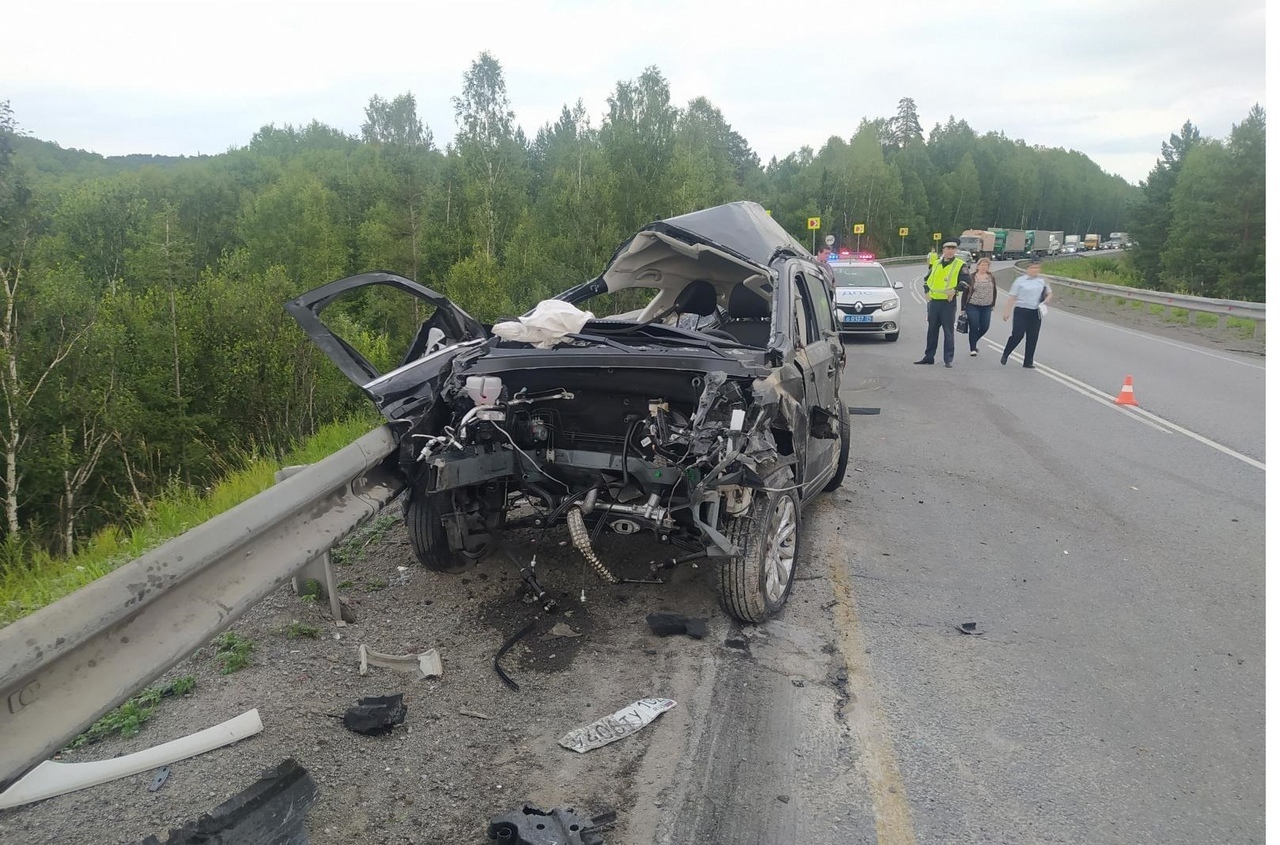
(979, 242)
(1042, 243)
(1091, 241)
(1009, 243)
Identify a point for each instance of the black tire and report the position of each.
(842, 466)
(423, 515)
(746, 590)
(890, 337)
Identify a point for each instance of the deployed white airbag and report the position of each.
(546, 325)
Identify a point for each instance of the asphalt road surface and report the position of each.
(1114, 560)
(1111, 559)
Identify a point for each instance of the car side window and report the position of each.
(810, 328)
(804, 321)
(824, 308)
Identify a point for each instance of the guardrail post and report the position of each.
(320, 569)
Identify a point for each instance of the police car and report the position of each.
(866, 300)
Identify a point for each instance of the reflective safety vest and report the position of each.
(943, 278)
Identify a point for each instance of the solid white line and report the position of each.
(1085, 390)
(1133, 412)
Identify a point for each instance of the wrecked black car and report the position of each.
(691, 390)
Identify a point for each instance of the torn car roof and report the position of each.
(744, 227)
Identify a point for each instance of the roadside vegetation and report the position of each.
(127, 719)
(1108, 270)
(232, 652)
(39, 577)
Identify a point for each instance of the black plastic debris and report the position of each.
(272, 811)
(512, 640)
(864, 412)
(674, 624)
(376, 715)
(969, 628)
(531, 826)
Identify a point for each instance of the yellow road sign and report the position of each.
(902, 233)
(937, 236)
(769, 211)
(815, 222)
(859, 228)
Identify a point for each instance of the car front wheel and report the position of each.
(891, 336)
(755, 583)
(424, 523)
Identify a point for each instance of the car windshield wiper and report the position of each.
(688, 341)
(596, 338)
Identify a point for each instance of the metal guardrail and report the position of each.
(68, 663)
(1194, 304)
(903, 259)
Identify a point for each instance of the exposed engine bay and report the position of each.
(674, 453)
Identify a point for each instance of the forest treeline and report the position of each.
(142, 338)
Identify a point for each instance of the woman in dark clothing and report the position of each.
(978, 303)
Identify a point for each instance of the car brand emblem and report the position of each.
(857, 306)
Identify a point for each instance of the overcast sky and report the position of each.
(1110, 79)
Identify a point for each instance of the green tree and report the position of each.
(489, 153)
(1153, 213)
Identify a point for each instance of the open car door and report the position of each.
(430, 328)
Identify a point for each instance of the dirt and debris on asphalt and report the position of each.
(469, 749)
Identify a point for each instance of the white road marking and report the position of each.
(1140, 414)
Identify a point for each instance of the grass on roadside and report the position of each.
(352, 549)
(296, 630)
(127, 719)
(31, 579)
(1243, 326)
(1108, 270)
(232, 652)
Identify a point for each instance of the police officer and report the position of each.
(946, 277)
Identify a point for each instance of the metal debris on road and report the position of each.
(162, 775)
(473, 714)
(531, 826)
(969, 628)
(375, 715)
(616, 726)
(424, 665)
(674, 624)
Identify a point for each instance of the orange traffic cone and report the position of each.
(1126, 393)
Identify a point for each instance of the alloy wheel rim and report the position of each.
(780, 549)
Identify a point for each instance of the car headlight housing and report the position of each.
(889, 304)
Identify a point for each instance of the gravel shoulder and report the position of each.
(443, 774)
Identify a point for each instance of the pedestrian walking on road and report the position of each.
(1025, 296)
(945, 278)
(978, 302)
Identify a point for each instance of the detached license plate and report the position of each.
(857, 318)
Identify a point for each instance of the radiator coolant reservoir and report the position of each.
(484, 390)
